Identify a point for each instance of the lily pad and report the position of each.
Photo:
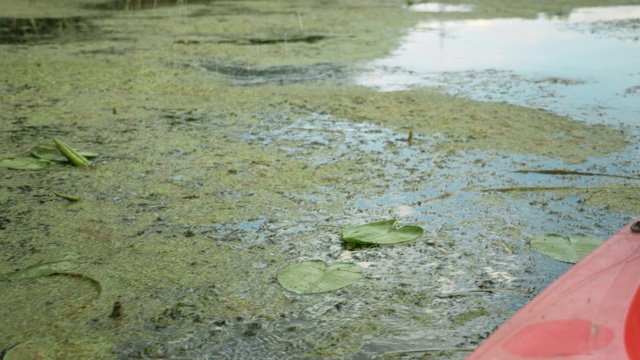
(313, 277)
(51, 152)
(569, 249)
(62, 263)
(380, 233)
(25, 163)
(48, 152)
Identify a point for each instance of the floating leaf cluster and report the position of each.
(314, 276)
(42, 156)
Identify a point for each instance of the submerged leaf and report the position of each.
(380, 232)
(68, 197)
(569, 249)
(50, 347)
(62, 263)
(25, 163)
(313, 277)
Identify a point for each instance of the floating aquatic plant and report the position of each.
(314, 276)
(380, 233)
(569, 249)
(51, 152)
(25, 163)
(44, 155)
(75, 158)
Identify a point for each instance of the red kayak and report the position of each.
(591, 312)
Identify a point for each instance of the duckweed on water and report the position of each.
(206, 189)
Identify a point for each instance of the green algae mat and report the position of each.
(234, 143)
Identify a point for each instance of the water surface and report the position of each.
(233, 145)
(581, 64)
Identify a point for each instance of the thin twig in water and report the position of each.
(300, 22)
(506, 247)
(443, 196)
(68, 197)
(536, 188)
(464, 293)
(427, 350)
(571, 172)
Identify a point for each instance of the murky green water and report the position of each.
(236, 141)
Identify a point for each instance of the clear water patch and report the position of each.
(436, 7)
(582, 64)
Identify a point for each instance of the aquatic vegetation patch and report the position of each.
(469, 124)
(312, 277)
(51, 152)
(43, 29)
(195, 189)
(44, 155)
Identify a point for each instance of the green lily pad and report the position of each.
(25, 163)
(313, 277)
(380, 233)
(62, 263)
(569, 249)
(48, 152)
(51, 152)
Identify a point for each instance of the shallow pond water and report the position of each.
(583, 63)
(436, 7)
(234, 143)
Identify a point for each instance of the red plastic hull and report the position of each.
(590, 312)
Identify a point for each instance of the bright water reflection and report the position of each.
(583, 64)
(440, 7)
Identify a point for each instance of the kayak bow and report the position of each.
(590, 312)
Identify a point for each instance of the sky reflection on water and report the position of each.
(558, 63)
